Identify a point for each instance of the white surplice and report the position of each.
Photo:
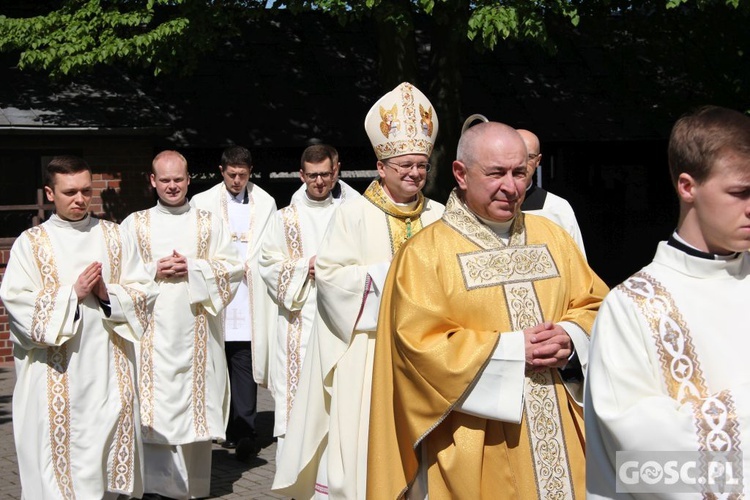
(252, 313)
(559, 211)
(182, 367)
(325, 450)
(293, 239)
(668, 365)
(75, 411)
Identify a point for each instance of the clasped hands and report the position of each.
(172, 266)
(91, 281)
(547, 345)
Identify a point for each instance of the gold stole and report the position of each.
(515, 267)
(402, 224)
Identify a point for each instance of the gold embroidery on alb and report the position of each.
(714, 414)
(200, 338)
(41, 247)
(200, 358)
(221, 276)
(146, 369)
(682, 371)
(114, 249)
(120, 471)
(293, 235)
(143, 234)
(146, 381)
(58, 392)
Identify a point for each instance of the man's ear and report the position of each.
(381, 169)
(152, 178)
(459, 172)
(50, 194)
(686, 187)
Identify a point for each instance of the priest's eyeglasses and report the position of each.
(405, 168)
(323, 175)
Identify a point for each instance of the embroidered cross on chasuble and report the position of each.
(516, 267)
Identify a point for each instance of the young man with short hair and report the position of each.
(183, 385)
(668, 364)
(287, 264)
(78, 298)
(246, 211)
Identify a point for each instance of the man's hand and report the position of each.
(311, 268)
(547, 346)
(173, 266)
(100, 290)
(88, 280)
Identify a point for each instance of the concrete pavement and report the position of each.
(230, 478)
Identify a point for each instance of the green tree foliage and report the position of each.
(76, 35)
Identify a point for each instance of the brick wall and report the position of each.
(6, 348)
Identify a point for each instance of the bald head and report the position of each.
(474, 137)
(168, 157)
(490, 170)
(533, 150)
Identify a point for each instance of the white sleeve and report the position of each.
(497, 393)
(368, 320)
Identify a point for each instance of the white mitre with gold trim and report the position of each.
(402, 122)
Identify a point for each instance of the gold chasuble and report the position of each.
(402, 224)
(451, 292)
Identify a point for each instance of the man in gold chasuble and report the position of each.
(480, 313)
(325, 450)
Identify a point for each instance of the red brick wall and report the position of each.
(6, 347)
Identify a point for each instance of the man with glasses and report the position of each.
(340, 192)
(539, 201)
(287, 264)
(246, 210)
(325, 451)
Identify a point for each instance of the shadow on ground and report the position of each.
(226, 469)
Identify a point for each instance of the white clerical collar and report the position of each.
(408, 206)
(680, 243)
(74, 224)
(173, 210)
(328, 200)
(501, 229)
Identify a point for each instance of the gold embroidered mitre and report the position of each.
(402, 122)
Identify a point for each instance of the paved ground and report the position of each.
(230, 478)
